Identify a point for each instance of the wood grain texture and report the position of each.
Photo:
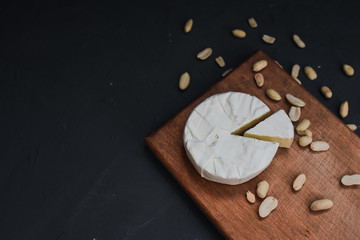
(226, 206)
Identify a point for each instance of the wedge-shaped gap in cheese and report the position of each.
(244, 109)
(276, 128)
(244, 128)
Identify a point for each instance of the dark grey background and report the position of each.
(83, 82)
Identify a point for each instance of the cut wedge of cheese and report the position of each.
(209, 140)
(276, 128)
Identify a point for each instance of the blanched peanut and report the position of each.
(262, 189)
(299, 182)
(259, 65)
(349, 180)
(303, 125)
(319, 146)
(250, 197)
(305, 141)
(267, 206)
(321, 204)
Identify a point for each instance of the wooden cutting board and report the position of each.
(226, 206)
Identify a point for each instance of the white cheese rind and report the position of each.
(277, 125)
(230, 110)
(217, 154)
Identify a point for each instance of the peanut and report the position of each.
(294, 100)
(262, 189)
(252, 22)
(267, 206)
(310, 73)
(259, 79)
(295, 70)
(239, 33)
(344, 109)
(250, 197)
(188, 25)
(303, 125)
(259, 65)
(349, 180)
(220, 61)
(319, 146)
(268, 39)
(326, 91)
(299, 182)
(348, 70)
(272, 94)
(204, 54)
(184, 81)
(294, 113)
(305, 141)
(352, 127)
(298, 41)
(321, 204)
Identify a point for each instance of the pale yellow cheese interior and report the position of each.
(244, 128)
(283, 142)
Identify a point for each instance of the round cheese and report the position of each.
(219, 155)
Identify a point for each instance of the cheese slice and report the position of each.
(219, 155)
(276, 128)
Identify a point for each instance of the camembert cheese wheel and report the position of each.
(212, 145)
